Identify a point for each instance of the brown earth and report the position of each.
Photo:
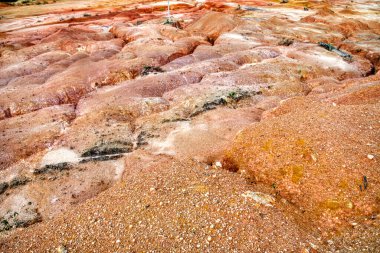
(227, 130)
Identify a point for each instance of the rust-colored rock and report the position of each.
(316, 157)
(118, 125)
(25, 135)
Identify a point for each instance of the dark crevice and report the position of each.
(102, 158)
(53, 168)
(106, 149)
(211, 40)
(372, 71)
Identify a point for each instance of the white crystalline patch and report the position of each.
(101, 28)
(119, 169)
(364, 7)
(167, 146)
(64, 127)
(294, 15)
(201, 127)
(178, 16)
(234, 36)
(231, 4)
(333, 62)
(15, 203)
(260, 198)
(18, 208)
(308, 29)
(18, 201)
(165, 3)
(53, 200)
(154, 100)
(59, 156)
(248, 65)
(369, 17)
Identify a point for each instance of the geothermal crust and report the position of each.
(244, 126)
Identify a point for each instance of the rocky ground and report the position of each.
(239, 126)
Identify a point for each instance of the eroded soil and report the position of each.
(240, 126)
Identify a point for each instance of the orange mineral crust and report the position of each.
(216, 126)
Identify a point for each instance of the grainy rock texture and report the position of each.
(232, 126)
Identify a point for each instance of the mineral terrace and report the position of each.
(228, 126)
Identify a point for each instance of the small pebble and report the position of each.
(313, 246)
(61, 249)
(209, 238)
(370, 157)
(117, 241)
(54, 200)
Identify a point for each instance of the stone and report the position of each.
(260, 198)
(62, 249)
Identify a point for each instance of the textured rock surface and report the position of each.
(247, 126)
(24, 135)
(316, 158)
